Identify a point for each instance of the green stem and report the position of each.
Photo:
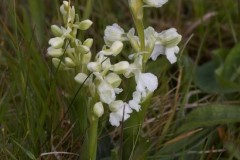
(137, 13)
(140, 31)
(92, 132)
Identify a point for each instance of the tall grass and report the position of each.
(38, 111)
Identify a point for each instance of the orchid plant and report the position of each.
(100, 75)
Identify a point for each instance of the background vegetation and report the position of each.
(194, 113)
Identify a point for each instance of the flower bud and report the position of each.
(65, 4)
(56, 30)
(69, 62)
(120, 67)
(83, 49)
(82, 78)
(94, 67)
(88, 42)
(106, 64)
(116, 105)
(58, 64)
(169, 38)
(116, 47)
(86, 58)
(53, 52)
(56, 42)
(98, 109)
(113, 79)
(63, 9)
(84, 25)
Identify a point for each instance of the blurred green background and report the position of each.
(194, 113)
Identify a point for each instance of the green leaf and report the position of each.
(228, 75)
(232, 62)
(27, 152)
(233, 149)
(210, 115)
(182, 144)
(205, 78)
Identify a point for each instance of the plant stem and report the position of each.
(92, 132)
(137, 13)
(140, 31)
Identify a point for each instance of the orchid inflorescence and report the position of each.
(104, 82)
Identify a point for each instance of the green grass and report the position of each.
(34, 96)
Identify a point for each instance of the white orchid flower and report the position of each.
(166, 44)
(146, 83)
(113, 33)
(120, 67)
(113, 79)
(83, 78)
(53, 52)
(56, 42)
(106, 92)
(120, 111)
(114, 50)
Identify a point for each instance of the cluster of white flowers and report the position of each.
(164, 43)
(77, 53)
(105, 81)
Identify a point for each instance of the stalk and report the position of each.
(92, 132)
(89, 151)
(140, 30)
(137, 14)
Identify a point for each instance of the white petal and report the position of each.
(170, 53)
(56, 42)
(147, 80)
(113, 79)
(113, 33)
(169, 38)
(137, 96)
(106, 63)
(93, 66)
(118, 90)
(157, 50)
(120, 67)
(106, 92)
(127, 109)
(115, 119)
(116, 105)
(122, 114)
(53, 52)
(155, 3)
(82, 78)
(134, 105)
